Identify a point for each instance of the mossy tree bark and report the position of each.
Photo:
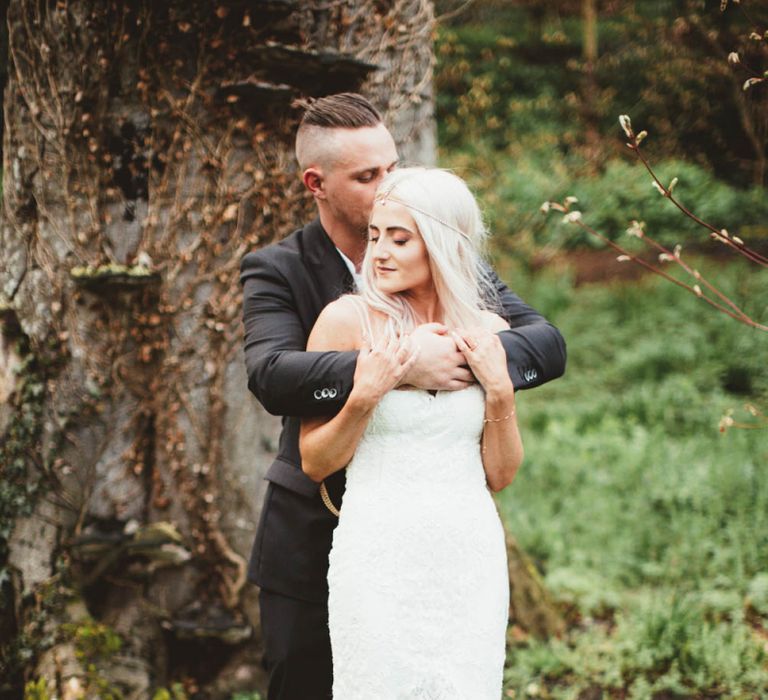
(147, 147)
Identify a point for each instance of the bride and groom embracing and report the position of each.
(385, 342)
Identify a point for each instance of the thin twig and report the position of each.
(734, 312)
(720, 234)
(739, 315)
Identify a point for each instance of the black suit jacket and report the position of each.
(285, 287)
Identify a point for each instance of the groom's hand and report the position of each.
(438, 365)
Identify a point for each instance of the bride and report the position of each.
(418, 584)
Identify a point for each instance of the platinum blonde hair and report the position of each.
(451, 225)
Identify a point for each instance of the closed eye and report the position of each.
(367, 176)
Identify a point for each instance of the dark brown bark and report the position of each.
(531, 607)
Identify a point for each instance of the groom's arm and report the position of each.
(535, 348)
(286, 380)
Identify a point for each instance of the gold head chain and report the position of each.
(390, 198)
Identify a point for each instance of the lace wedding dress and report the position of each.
(419, 590)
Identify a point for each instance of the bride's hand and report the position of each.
(380, 368)
(486, 358)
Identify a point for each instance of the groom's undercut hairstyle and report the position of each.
(314, 138)
(346, 110)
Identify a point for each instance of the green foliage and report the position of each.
(19, 457)
(95, 645)
(38, 634)
(758, 593)
(18, 448)
(176, 692)
(666, 65)
(491, 87)
(650, 525)
(512, 74)
(98, 686)
(624, 192)
(26, 476)
(37, 690)
(93, 640)
(513, 185)
(663, 643)
(513, 121)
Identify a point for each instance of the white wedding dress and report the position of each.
(419, 590)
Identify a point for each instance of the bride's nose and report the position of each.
(380, 251)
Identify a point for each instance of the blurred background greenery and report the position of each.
(649, 524)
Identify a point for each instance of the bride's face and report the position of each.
(400, 259)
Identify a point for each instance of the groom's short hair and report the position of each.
(345, 110)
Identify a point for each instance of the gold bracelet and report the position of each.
(327, 500)
(493, 420)
(499, 420)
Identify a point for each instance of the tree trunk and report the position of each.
(147, 147)
(589, 18)
(589, 91)
(531, 608)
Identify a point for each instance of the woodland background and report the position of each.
(650, 525)
(643, 501)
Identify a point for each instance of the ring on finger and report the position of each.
(471, 343)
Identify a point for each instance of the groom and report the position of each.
(343, 150)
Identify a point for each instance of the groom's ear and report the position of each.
(314, 182)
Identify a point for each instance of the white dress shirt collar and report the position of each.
(356, 276)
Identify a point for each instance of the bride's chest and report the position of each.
(419, 414)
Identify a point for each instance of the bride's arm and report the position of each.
(501, 444)
(328, 443)
(502, 447)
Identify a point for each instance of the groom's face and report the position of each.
(360, 160)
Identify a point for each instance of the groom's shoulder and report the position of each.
(283, 255)
(284, 249)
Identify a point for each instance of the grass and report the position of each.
(649, 524)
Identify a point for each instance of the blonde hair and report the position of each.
(451, 225)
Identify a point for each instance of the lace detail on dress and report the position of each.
(418, 583)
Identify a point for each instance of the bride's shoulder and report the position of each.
(493, 322)
(338, 325)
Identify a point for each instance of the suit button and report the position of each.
(325, 393)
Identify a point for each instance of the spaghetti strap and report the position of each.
(365, 319)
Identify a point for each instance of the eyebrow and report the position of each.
(390, 229)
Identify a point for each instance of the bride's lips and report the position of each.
(380, 270)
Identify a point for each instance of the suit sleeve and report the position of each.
(535, 348)
(287, 380)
